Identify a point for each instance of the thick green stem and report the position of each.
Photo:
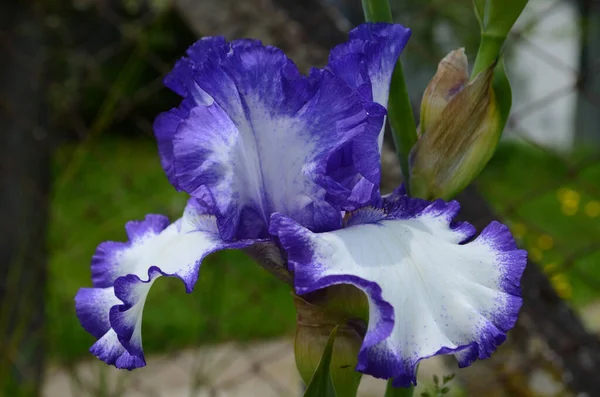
(391, 391)
(400, 113)
(489, 50)
(377, 10)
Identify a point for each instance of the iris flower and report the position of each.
(269, 155)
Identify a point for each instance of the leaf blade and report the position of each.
(391, 391)
(320, 384)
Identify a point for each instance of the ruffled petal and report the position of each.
(111, 351)
(432, 289)
(165, 126)
(181, 81)
(263, 138)
(93, 306)
(366, 61)
(123, 273)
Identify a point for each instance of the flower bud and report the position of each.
(461, 125)
(451, 77)
(315, 321)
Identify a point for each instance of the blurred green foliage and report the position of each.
(122, 180)
(440, 389)
(552, 205)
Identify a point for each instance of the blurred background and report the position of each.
(80, 85)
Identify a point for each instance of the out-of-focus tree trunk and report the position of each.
(313, 15)
(24, 187)
(587, 124)
(258, 19)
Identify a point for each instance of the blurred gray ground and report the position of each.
(262, 369)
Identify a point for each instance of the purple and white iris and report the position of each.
(270, 155)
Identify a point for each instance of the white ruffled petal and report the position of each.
(429, 292)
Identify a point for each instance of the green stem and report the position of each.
(377, 10)
(400, 115)
(402, 121)
(391, 391)
(489, 50)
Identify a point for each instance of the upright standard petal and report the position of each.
(181, 81)
(367, 60)
(253, 136)
(432, 289)
(123, 273)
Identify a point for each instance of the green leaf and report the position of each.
(501, 15)
(502, 92)
(496, 18)
(321, 384)
(402, 122)
(480, 11)
(392, 391)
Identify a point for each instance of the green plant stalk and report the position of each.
(377, 10)
(402, 122)
(489, 50)
(400, 114)
(404, 128)
(391, 391)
